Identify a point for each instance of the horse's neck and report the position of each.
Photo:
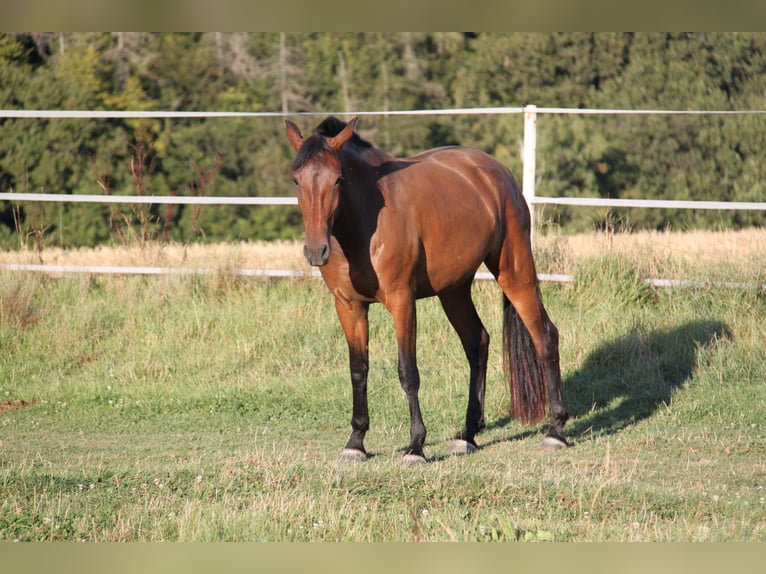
(363, 160)
(361, 199)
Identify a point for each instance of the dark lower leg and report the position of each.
(474, 417)
(360, 419)
(410, 380)
(558, 410)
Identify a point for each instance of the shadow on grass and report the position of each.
(626, 380)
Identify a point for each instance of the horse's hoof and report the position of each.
(553, 443)
(413, 459)
(352, 455)
(460, 446)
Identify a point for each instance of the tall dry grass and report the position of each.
(246, 255)
(668, 252)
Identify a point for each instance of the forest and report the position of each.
(654, 156)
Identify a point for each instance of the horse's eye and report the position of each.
(295, 181)
(339, 180)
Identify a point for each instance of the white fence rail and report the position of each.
(151, 199)
(530, 113)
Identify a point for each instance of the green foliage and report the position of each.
(647, 156)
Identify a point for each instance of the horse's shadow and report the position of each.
(628, 379)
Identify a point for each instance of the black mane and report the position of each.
(316, 143)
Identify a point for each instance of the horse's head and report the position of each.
(318, 176)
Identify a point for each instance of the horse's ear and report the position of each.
(338, 141)
(294, 135)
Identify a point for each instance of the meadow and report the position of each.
(212, 408)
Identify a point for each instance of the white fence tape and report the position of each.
(174, 114)
(132, 270)
(153, 199)
(664, 203)
(289, 273)
(530, 128)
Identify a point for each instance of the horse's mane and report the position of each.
(332, 126)
(316, 144)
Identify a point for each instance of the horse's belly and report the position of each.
(435, 279)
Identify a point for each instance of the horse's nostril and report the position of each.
(317, 257)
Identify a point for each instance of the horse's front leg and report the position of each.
(402, 308)
(354, 321)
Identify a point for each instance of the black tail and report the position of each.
(523, 369)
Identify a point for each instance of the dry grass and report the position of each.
(681, 247)
(245, 255)
(715, 256)
(674, 249)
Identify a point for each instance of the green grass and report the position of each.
(208, 409)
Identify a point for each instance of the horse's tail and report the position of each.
(523, 369)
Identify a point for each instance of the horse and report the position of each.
(391, 230)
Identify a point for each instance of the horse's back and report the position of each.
(458, 202)
(469, 181)
(473, 169)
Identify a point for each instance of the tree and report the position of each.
(646, 156)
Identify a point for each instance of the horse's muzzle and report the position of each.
(317, 256)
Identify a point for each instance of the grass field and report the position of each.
(212, 408)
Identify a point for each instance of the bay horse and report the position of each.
(394, 230)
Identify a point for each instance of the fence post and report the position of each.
(528, 160)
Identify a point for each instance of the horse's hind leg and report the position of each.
(545, 337)
(462, 314)
(519, 284)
